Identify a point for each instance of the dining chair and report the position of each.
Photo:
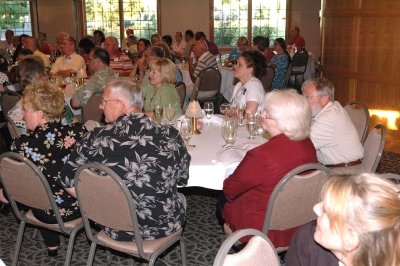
(15, 132)
(106, 200)
(299, 66)
(181, 89)
(91, 110)
(24, 183)
(207, 86)
(359, 115)
(267, 79)
(258, 251)
(373, 148)
(8, 100)
(293, 198)
(395, 178)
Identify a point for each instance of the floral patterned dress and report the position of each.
(48, 147)
(152, 159)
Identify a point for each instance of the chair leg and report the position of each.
(19, 242)
(70, 246)
(91, 254)
(183, 252)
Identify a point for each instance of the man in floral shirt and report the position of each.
(152, 159)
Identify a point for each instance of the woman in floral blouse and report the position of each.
(48, 146)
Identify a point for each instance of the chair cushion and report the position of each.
(129, 247)
(69, 226)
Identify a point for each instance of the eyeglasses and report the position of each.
(104, 101)
(310, 96)
(91, 59)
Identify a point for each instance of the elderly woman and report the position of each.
(242, 45)
(161, 90)
(48, 146)
(358, 224)
(287, 117)
(280, 61)
(249, 91)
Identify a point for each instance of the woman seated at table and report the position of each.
(161, 90)
(249, 91)
(48, 146)
(287, 118)
(280, 62)
(358, 224)
(242, 45)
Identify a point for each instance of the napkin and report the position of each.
(214, 120)
(235, 153)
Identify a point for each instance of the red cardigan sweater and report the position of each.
(248, 189)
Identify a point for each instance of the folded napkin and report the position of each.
(234, 153)
(214, 120)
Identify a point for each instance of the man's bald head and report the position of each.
(199, 48)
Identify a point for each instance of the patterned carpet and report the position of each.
(202, 234)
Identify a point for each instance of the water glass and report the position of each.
(224, 107)
(229, 131)
(251, 126)
(241, 112)
(186, 130)
(169, 113)
(158, 113)
(208, 110)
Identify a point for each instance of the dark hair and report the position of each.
(200, 35)
(103, 55)
(99, 32)
(262, 42)
(257, 61)
(24, 51)
(145, 41)
(30, 70)
(167, 39)
(157, 51)
(190, 33)
(281, 43)
(86, 45)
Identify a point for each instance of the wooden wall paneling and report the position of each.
(379, 5)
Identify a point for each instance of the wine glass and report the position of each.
(224, 107)
(169, 113)
(229, 131)
(241, 112)
(186, 130)
(251, 125)
(209, 111)
(158, 113)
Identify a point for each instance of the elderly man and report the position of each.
(70, 62)
(33, 45)
(101, 74)
(8, 42)
(212, 47)
(332, 132)
(151, 159)
(204, 59)
(296, 39)
(119, 62)
(57, 48)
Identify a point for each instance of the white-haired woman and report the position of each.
(287, 117)
(358, 224)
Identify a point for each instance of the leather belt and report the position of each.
(356, 162)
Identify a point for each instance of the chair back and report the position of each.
(300, 60)
(106, 200)
(359, 115)
(8, 100)
(15, 133)
(91, 110)
(209, 80)
(373, 148)
(258, 251)
(24, 183)
(267, 79)
(292, 201)
(181, 89)
(288, 74)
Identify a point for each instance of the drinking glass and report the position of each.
(209, 111)
(229, 131)
(186, 130)
(251, 125)
(224, 107)
(158, 113)
(169, 113)
(241, 112)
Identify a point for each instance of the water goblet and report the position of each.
(241, 112)
(209, 111)
(224, 107)
(251, 126)
(229, 131)
(169, 113)
(186, 130)
(158, 113)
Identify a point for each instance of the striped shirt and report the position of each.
(205, 60)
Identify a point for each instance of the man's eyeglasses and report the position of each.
(104, 101)
(91, 59)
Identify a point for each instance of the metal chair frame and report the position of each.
(363, 106)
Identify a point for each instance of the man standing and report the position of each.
(119, 62)
(101, 74)
(296, 39)
(332, 132)
(33, 45)
(70, 62)
(151, 159)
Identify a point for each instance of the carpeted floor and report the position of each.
(202, 235)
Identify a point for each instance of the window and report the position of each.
(111, 18)
(16, 16)
(231, 20)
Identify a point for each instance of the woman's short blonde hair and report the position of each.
(291, 113)
(166, 68)
(43, 96)
(370, 206)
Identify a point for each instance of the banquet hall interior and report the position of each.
(352, 43)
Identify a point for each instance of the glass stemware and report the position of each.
(229, 131)
(158, 113)
(209, 111)
(241, 112)
(224, 107)
(251, 126)
(186, 130)
(169, 113)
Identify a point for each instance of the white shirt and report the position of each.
(179, 48)
(252, 91)
(334, 136)
(73, 61)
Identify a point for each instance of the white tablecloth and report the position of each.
(209, 167)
